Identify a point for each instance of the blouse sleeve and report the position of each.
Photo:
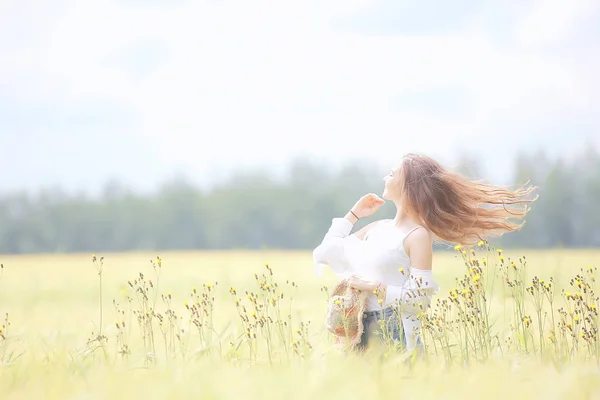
(416, 293)
(333, 249)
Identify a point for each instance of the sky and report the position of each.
(145, 90)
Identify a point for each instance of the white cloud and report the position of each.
(249, 81)
(552, 21)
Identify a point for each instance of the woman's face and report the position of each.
(391, 189)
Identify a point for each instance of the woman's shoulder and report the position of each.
(419, 234)
(382, 221)
(362, 233)
(419, 246)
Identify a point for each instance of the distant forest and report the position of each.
(254, 210)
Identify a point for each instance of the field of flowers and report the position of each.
(251, 324)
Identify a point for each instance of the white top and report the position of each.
(380, 257)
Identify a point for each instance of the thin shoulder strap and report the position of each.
(407, 234)
(411, 231)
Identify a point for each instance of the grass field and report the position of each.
(53, 305)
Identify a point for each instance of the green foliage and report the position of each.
(253, 210)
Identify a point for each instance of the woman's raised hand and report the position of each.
(367, 205)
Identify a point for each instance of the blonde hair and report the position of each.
(456, 209)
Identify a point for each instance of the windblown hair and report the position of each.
(456, 209)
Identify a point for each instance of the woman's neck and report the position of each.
(402, 217)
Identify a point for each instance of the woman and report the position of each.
(391, 259)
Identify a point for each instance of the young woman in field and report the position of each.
(390, 260)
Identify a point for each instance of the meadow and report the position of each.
(239, 324)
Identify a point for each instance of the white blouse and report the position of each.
(380, 257)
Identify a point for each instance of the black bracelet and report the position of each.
(354, 214)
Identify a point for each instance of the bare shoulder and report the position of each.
(420, 235)
(419, 247)
(363, 231)
(380, 221)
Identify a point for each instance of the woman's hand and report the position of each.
(367, 205)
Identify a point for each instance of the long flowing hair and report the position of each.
(456, 209)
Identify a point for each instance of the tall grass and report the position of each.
(537, 320)
(495, 312)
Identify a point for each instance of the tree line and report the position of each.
(254, 210)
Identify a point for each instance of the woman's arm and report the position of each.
(332, 244)
(420, 287)
(416, 294)
(413, 296)
(332, 251)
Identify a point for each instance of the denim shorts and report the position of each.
(392, 332)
